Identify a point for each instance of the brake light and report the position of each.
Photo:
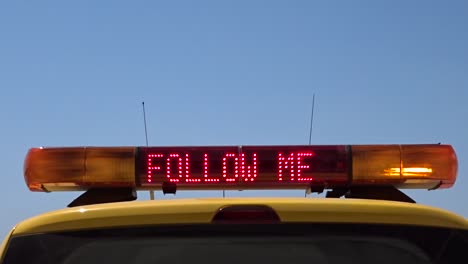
(246, 214)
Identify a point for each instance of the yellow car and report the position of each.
(375, 221)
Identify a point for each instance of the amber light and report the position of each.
(408, 172)
(79, 168)
(405, 166)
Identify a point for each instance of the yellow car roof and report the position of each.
(195, 211)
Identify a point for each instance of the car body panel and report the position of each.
(4, 244)
(200, 211)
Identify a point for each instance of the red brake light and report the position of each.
(246, 214)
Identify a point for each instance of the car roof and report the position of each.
(202, 211)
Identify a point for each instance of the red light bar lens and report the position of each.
(242, 167)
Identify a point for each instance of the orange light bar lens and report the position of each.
(405, 166)
(429, 163)
(61, 169)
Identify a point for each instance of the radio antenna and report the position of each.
(146, 137)
(311, 119)
(144, 121)
(308, 191)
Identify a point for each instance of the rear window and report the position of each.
(245, 244)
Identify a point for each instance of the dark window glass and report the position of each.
(235, 244)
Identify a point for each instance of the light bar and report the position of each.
(240, 167)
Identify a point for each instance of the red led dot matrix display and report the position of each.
(245, 167)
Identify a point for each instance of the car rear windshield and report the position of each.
(244, 244)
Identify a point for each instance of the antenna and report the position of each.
(144, 121)
(311, 119)
(308, 191)
(146, 137)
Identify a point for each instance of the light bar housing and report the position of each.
(240, 167)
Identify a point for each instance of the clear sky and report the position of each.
(229, 72)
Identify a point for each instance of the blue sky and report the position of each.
(229, 72)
